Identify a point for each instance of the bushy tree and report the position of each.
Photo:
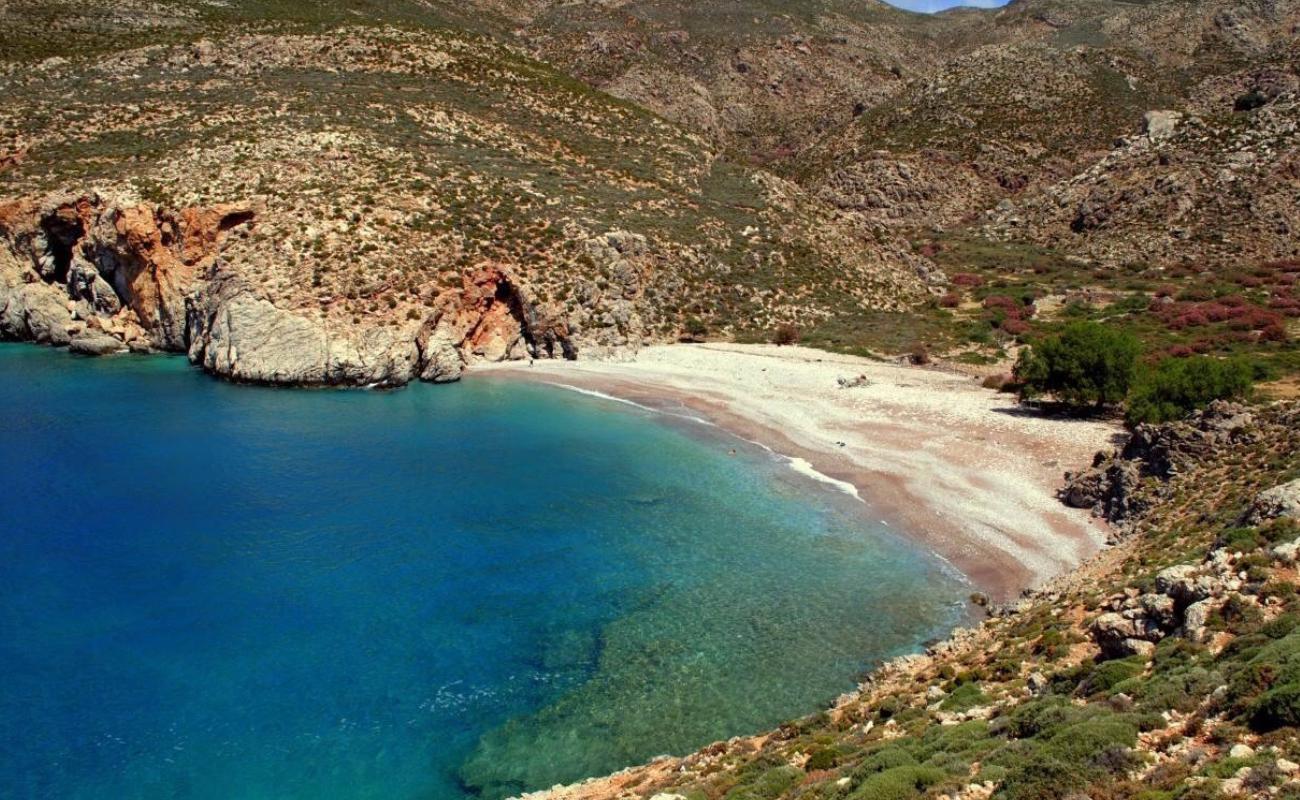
(1085, 364)
(1178, 386)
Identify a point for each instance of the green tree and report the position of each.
(1178, 386)
(1085, 364)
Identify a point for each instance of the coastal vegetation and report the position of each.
(1085, 365)
(1090, 366)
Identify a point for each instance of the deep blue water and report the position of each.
(211, 591)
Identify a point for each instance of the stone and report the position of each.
(1287, 767)
(1139, 647)
(1280, 501)
(236, 334)
(1195, 618)
(96, 343)
(1121, 635)
(1186, 585)
(36, 312)
(440, 361)
(1159, 608)
(85, 283)
(1287, 552)
(1241, 751)
(1036, 683)
(1160, 124)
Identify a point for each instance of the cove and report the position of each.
(217, 591)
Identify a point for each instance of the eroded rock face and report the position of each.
(103, 276)
(120, 268)
(237, 334)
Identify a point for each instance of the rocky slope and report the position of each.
(1045, 104)
(1214, 183)
(1165, 668)
(763, 79)
(1112, 147)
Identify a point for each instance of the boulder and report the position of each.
(1288, 552)
(1036, 683)
(85, 283)
(96, 343)
(440, 360)
(36, 312)
(1195, 619)
(1120, 635)
(1187, 585)
(239, 335)
(1280, 501)
(1160, 124)
(1159, 608)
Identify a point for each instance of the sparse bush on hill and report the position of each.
(785, 334)
(1087, 364)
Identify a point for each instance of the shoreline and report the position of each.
(957, 468)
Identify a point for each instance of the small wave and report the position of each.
(626, 402)
(806, 469)
(799, 465)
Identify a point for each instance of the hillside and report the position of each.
(1085, 153)
(322, 201)
(761, 79)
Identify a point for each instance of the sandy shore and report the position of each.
(960, 467)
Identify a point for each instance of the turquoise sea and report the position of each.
(223, 592)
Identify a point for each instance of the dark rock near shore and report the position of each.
(1111, 487)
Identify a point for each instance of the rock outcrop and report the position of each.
(103, 276)
(1280, 501)
(235, 333)
(73, 263)
(1110, 487)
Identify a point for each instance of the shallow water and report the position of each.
(212, 591)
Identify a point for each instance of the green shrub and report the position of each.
(1241, 540)
(1281, 626)
(1086, 364)
(965, 696)
(886, 758)
(1083, 742)
(1040, 778)
(898, 783)
(768, 785)
(822, 758)
(1277, 708)
(1178, 386)
(1110, 674)
(966, 739)
(1034, 717)
(1266, 689)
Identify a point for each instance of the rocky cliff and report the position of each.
(101, 276)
